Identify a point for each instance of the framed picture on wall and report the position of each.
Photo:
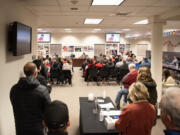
(85, 48)
(90, 48)
(65, 48)
(78, 49)
(70, 49)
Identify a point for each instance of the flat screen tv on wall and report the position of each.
(43, 37)
(21, 39)
(113, 38)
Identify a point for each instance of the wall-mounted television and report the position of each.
(113, 38)
(43, 37)
(21, 36)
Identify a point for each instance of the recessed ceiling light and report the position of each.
(39, 29)
(67, 29)
(92, 21)
(107, 2)
(126, 29)
(97, 29)
(142, 22)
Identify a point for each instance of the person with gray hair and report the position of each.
(127, 80)
(170, 111)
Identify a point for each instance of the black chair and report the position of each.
(91, 75)
(103, 74)
(121, 72)
(67, 76)
(112, 73)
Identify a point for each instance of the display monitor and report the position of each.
(21, 39)
(43, 37)
(113, 38)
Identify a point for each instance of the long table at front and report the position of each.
(89, 122)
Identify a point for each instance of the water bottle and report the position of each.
(101, 116)
(104, 94)
(95, 109)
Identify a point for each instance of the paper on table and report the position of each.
(100, 100)
(108, 105)
(111, 113)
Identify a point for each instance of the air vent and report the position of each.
(74, 9)
(74, 2)
(123, 14)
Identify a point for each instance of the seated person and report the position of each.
(40, 77)
(99, 65)
(138, 117)
(168, 79)
(67, 65)
(119, 63)
(175, 61)
(127, 80)
(145, 63)
(170, 111)
(56, 118)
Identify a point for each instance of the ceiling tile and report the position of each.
(44, 8)
(168, 3)
(150, 11)
(138, 2)
(40, 2)
(103, 8)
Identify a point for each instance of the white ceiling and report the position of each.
(55, 15)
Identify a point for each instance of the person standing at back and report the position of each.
(29, 99)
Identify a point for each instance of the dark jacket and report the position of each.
(151, 86)
(172, 132)
(57, 133)
(43, 81)
(29, 100)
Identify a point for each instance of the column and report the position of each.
(156, 53)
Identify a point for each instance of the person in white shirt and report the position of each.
(67, 65)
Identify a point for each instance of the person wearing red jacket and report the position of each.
(127, 80)
(138, 117)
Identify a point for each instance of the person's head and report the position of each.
(144, 74)
(56, 116)
(30, 69)
(170, 108)
(131, 67)
(138, 92)
(166, 74)
(38, 64)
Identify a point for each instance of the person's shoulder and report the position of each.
(42, 89)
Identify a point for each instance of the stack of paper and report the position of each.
(108, 105)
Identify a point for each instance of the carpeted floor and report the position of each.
(70, 95)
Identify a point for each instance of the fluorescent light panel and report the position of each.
(97, 29)
(92, 21)
(67, 29)
(142, 22)
(106, 2)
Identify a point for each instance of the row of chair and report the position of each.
(105, 74)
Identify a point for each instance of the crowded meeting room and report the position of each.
(90, 67)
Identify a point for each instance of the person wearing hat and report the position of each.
(56, 118)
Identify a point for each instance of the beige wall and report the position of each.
(11, 66)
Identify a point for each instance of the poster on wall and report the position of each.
(90, 49)
(111, 49)
(65, 48)
(70, 49)
(85, 48)
(78, 49)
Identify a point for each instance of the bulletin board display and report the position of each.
(77, 50)
(115, 49)
(43, 49)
